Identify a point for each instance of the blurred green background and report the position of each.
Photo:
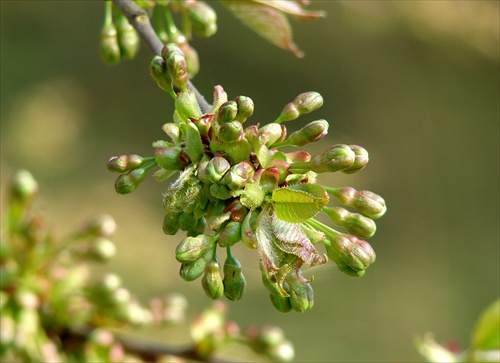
(416, 83)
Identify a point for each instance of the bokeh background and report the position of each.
(414, 82)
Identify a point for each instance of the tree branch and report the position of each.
(140, 21)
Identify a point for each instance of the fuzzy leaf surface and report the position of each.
(300, 202)
(194, 145)
(290, 238)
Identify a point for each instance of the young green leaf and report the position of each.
(290, 238)
(486, 335)
(266, 21)
(300, 202)
(194, 146)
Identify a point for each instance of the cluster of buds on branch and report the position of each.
(119, 39)
(54, 309)
(235, 184)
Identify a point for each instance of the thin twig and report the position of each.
(140, 21)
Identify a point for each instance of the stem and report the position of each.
(332, 191)
(169, 21)
(147, 159)
(108, 15)
(161, 32)
(328, 231)
(229, 252)
(299, 165)
(139, 19)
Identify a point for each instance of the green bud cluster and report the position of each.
(119, 39)
(46, 287)
(271, 341)
(54, 309)
(238, 184)
(211, 331)
(197, 17)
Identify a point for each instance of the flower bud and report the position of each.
(186, 106)
(352, 255)
(312, 132)
(23, 187)
(173, 131)
(269, 340)
(203, 18)
(100, 249)
(102, 225)
(169, 157)
(202, 171)
(174, 308)
(177, 68)
(301, 292)
(231, 131)
(227, 112)
(111, 282)
(236, 177)
(158, 70)
(197, 228)
(128, 39)
(220, 191)
(237, 209)
(123, 163)
(187, 220)
(212, 280)
(170, 225)
(281, 303)
(110, 50)
(217, 146)
(230, 235)
(338, 157)
(127, 183)
(282, 352)
(234, 281)
(288, 113)
(271, 132)
(308, 102)
(135, 314)
(204, 123)
(191, 55)
(298, 157)
(220, 97)
(354, 223)
(269, 180)
(192, 248)
(282, 167)
(248, 229)
(216, 168)
(170, 48)
(245, 108)
(368, 203)
(104, 289)
(190, 271)
(301, 105)
(360, 160)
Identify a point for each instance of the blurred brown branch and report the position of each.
(146, 350)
